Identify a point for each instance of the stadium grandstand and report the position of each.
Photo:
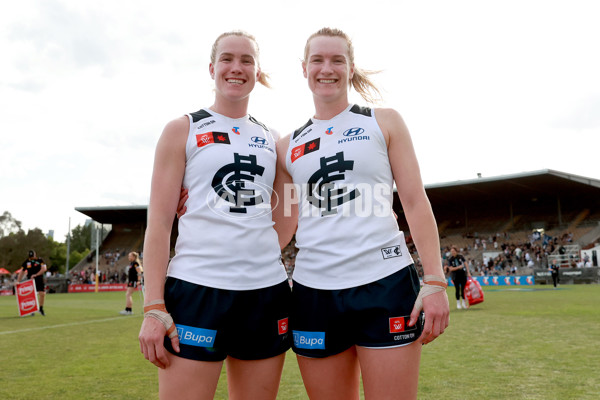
(509, 224)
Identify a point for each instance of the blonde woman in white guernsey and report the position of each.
(225, 294)
(356, 301)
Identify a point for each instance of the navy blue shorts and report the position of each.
(40, 286)
(215, 323)
(375, 315)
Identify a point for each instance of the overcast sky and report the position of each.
(490, 87)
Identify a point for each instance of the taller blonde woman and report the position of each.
(356, 300)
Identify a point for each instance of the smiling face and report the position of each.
(234, 68)
(328, 68)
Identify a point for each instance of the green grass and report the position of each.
(539, 344)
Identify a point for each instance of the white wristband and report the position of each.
(156, 309)
(431, 284)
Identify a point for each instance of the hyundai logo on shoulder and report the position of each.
(259, 140)
(353, 132)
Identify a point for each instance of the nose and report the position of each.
(327, 67)
(236, 66)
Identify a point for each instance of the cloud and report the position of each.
(584, 116)
(60, 35)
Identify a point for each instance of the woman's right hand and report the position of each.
(152, 334)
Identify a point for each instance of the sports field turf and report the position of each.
(533, 343)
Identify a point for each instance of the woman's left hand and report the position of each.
(437, 316)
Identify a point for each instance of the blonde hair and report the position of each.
(263, 79)
(137, 259)
(360, 80)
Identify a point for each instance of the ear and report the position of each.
(351, 74)
(258, 74)
(211, 69)
(304, 69)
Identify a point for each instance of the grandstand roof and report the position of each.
(116, 214)
(525, 185)
(545, 182)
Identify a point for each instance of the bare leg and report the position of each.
(41, 298)
(333, 377)
(254, 379)
(390, 373)
(128, 297)
(187, 379)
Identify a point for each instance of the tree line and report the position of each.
(15, 244)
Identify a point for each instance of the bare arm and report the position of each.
(285, 213)
(419, 216)
(167, 177)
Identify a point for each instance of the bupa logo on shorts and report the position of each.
(309, 340)
(400, 324)
(391, 252)
(198, 337)
(282, 326)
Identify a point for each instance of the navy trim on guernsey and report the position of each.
(356, 109)
(198, 115)
(252, 119)
(298, 131)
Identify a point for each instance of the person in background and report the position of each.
(35, 267)
(459, 272)
(554, 268)
(134, 279)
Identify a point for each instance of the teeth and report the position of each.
(238, 81)
(327, 80)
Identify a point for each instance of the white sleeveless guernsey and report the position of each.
(347, 234)
(226, 237)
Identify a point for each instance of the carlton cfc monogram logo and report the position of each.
(322, 192)
(230, 182)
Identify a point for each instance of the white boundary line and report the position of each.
(59, 326)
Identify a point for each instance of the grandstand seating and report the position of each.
(510, 208)
(123, 239)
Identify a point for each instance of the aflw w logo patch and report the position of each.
(400, 324)
(390, 252)
(212, 137)
(305, 148)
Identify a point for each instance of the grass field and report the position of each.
(519, 344)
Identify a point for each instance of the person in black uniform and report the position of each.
(134, 278)
(554, 270)
(457, 266)
(35, 268)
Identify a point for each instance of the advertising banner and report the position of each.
(511, 280)
(27, 300)
(103, 287)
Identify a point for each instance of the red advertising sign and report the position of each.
(27, 300)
